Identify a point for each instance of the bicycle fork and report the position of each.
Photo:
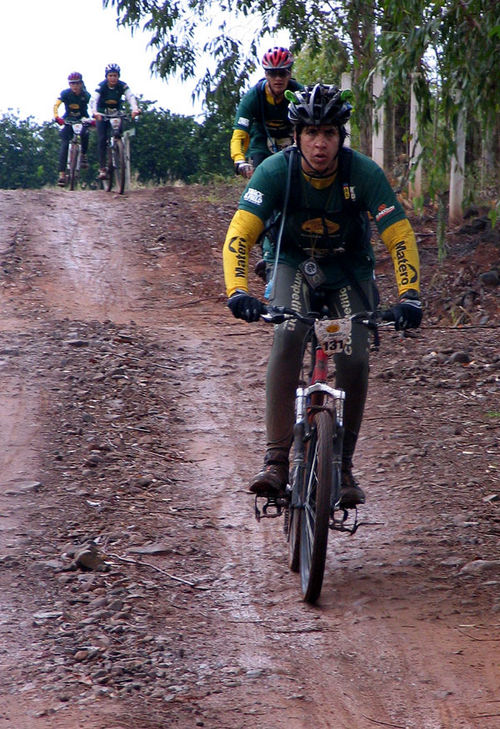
(317, 396)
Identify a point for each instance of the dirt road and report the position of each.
(137, 589)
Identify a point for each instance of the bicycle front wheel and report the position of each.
(294, 538)
(316, 498)
(73, 166)
(119, 164)
(108, 182)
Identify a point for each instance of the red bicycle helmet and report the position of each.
(277, 57)
(75, 76)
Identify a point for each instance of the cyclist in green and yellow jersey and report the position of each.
(262, 126)
(318, 193)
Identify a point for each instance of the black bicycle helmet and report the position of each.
(317, 105)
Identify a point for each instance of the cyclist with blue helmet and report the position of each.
(108, 98)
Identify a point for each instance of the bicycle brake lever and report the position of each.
(274, 318)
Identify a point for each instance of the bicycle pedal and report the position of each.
(272, 507)
(340, 523)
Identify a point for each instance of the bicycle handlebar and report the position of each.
(114, 115)
(84, 120)
(370, 319)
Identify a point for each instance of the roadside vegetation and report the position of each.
(428, 72)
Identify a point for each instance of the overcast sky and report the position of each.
(42, 41)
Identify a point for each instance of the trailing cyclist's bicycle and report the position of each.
(311, 504)
(74, 160)
(115, 151)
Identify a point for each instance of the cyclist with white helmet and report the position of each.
(108, 98)
(318, 194)
(75, 100)
(261, 126)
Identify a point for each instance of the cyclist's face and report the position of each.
(76, 87)
(277, 80)
(112, 78)
(320, 146)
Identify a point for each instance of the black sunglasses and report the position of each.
(278, 72)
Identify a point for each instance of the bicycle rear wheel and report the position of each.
(119, 164)
(317, 488)
(73, 166)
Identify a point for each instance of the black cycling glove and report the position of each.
(245, 306)
(408, 313)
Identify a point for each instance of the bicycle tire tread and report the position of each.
(316, 513)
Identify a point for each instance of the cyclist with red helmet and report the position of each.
(261, 126)
(108, 98)
(75, 100)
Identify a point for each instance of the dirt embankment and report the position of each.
(137, 590)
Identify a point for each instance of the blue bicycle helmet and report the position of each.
(112, 68)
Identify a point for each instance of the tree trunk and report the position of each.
(415, 186)
(455, 214)
(389, 141)
(362, 34)
(378, 122)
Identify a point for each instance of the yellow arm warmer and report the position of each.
(399, 239)
(239, 145)
(56, 107)
(242, 235)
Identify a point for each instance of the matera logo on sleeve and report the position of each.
(407, 273)
(243, 121)
(253, 196)
(383, 210)
(238, 247)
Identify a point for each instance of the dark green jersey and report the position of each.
(319, 223)
(76, 105)
(267, 124)
(110, 99)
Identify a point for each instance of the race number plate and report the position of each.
(333, 334)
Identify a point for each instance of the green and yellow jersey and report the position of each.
(75, 105)
(320, 225)
(261, 125)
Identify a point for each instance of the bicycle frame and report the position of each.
(115, 151)
(310, 399)
(76, 139)
(74, 158)
(115, 120)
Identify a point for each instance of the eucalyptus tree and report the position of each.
(184, 35)
(450, 51)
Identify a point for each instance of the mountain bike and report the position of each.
(75, 150)
(310, 503)
(115, 151)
